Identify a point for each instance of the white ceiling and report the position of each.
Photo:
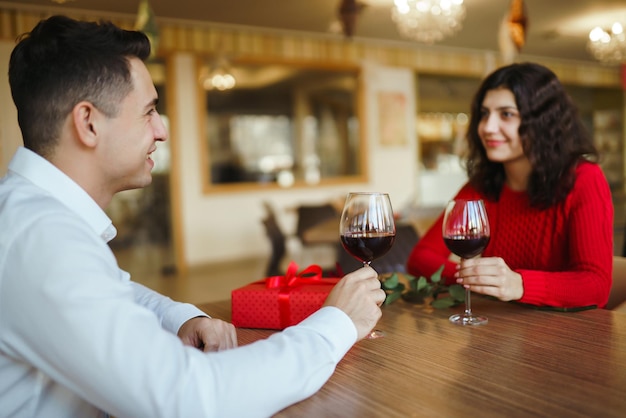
(556, 28)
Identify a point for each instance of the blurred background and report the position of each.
(275, 107)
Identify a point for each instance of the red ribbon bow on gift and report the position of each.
(309, 275)
(288, 282)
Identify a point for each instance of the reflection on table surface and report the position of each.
(525, 362)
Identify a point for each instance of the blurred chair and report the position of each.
(312, 215)
(617, 296)
(316, 252)
(394, 261)
(277, 240)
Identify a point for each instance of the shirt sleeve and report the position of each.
(171, 314)
(282, 364)
(80, 326)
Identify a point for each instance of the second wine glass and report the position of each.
(367, 229)
(466, 233)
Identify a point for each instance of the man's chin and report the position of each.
(139, 184)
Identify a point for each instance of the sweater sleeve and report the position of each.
(588, 277)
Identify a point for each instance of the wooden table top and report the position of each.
(524, 363)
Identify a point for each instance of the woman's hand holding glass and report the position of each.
(490, 276)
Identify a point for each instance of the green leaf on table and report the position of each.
(391, 282)
(457, 292)
(422, 283)
(422, 290)
(436, 277)
(392, 297)
(445, 302)
(399, 288)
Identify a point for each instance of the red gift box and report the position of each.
(280, 301)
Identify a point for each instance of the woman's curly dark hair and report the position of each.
(553, 136)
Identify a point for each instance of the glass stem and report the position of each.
(468, 303)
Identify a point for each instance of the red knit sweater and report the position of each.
(564, 253)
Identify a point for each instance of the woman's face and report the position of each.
(499, 127)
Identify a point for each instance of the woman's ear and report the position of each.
(85, 118)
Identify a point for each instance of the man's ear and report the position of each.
(85, 118)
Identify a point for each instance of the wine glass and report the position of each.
(466, 234)
(367, 229)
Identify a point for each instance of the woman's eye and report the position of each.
(509, 115)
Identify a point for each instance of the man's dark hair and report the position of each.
(552, 134)
(62, 62)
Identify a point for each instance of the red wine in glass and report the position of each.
(466, 233)
(367, 246)
(367, 229)
(466, 246)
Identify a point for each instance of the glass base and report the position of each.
(465, 319)
(374, 334)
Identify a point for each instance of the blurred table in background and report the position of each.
(524, 363)
(309, 218)
(315, 223)
(422, 217)
(327, 232)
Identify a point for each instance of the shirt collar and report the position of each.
(45, 175)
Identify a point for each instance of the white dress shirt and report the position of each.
(79, 339)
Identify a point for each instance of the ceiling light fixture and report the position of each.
(428, 21)
(348, 13)
(218, 76)
(608, 46)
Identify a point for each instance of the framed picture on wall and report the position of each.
(392, 118)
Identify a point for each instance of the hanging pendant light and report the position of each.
(608, 45)
(428, 21)
(218, 75)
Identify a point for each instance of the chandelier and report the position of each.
(217, 75)
(608, 46)
(219, 80)
(428, 21)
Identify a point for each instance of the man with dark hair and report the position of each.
(77, 336)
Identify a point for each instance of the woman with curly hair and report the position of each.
(549, 205)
